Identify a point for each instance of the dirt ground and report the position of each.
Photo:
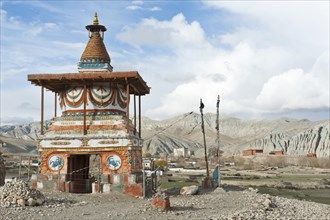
(228, 202)
(222, 203)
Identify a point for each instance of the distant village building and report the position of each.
(276, 153)
(33, 163)
(147, 164)
(251, 152)
(181, 152)
(95, 120)
(311, 155)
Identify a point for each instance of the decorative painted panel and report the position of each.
(77, 143)
(113, 162)
(60, 143)
(55, 162)
(108, 142)
(99, 96)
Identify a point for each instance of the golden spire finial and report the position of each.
(96, 20)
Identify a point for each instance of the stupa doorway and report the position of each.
(78, 173)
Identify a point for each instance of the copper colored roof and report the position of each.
(95, 48)
(59, 82)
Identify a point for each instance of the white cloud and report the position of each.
(155, 9)
(296, 89)
(251, 72)
(174, 33)
(29, 109)
(133, 7)
(78, 46)
(301, 26)
(137, 2)
(32, 51)
(139, 5)
(274, 58)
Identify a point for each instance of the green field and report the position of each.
(314, 195)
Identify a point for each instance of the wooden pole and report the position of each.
(42, 110)
(134, 114)
(29, 167)
(85, 102)
(55, 113)
(203, 130)
(20, 167)
(58, 178)
(218, 140)
(127, 107)
(143, 180)
(100, 171)
(139, 116)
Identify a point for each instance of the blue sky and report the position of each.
(266, 59)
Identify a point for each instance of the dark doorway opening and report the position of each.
(78, 174)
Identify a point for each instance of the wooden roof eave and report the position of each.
(57, 82)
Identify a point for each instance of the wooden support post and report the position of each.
(134, 114)
(59, 178)
(203, 130)
(100, 172)
(85, 102)
(20, 167)
(55, 110)
(29, 167)
(127, 107)
(139, 116)
(143, 180)
(42, 110)
(218, 141)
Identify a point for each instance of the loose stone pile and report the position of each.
(18, 193)
(265, 206)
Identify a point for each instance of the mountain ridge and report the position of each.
(292, 136)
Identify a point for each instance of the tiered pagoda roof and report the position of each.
(94, 66)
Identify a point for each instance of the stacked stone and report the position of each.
(18, 193)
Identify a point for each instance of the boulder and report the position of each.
(189, 190)
(21, 202)
(31, 202)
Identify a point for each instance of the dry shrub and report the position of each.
(160, 163)
(303, 161)
(314, 162)
(276, 161)
(245, 163)
(249, 164)
(324, 163)
(239, 161)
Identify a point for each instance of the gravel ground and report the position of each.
(217, 204)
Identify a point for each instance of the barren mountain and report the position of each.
(294, 137)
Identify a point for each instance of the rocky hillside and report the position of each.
(294, 137)
(27, 132)
(18, 146)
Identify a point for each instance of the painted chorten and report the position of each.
(95, 121)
